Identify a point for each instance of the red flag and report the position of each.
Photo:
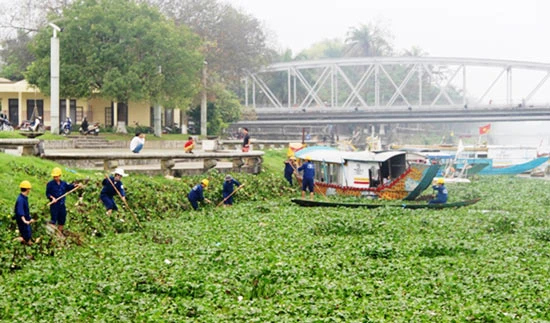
(485, 129)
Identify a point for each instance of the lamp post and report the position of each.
(54, 79)
(203, 101)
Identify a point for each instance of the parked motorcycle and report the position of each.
(5, 125)
(66, 126)
(92, 130)
(175, 128)
(34, 126)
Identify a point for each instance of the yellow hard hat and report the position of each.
(308, 157)
(440, 181)
(25, 184)
(56, 172)
(205, 182)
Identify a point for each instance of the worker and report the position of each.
(442, 193)
(308, 182)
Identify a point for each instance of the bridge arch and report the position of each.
(386, 83)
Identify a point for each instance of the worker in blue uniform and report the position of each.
(227, 191)
(196, 194)
(55, 189)
(442, 193)
(22, 214)
(113, 186)
(308, 178)
(290, 168)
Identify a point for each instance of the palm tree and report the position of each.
(414, 51)
(368, 40)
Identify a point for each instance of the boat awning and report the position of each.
(321, 154)
(331, 155)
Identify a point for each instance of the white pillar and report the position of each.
(115, 114)
(157, 120)
(203, 101)
(54, 84)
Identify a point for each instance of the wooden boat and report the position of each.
(478, 159)
(514, 169)
(441, 206)
(362, 173)
(309, 203)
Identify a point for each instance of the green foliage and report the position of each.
(15, 56)
(234, 41)
(369, 40)
(542, 234)
(329, 48)
(341, 226)
(503, 225)
(268, 260)
(220, 113)
(120, 50)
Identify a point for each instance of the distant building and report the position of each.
(19, 100)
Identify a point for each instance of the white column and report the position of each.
(54, 83)
(204, 103)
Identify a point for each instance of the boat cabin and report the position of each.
(355, 169)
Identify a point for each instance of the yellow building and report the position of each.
(19, 99)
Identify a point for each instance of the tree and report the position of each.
(414, 51)
(368, 40)
(234, 42)
(16, 56)
(121, 51)
(222, 110)
(19, 21)
(328, 48)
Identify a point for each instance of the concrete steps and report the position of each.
(95, 142)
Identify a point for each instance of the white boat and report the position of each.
(363, 173)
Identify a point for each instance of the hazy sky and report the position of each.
(499, 29)
(495, 29)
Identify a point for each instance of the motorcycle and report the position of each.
(92, 130)
(175, 128)
(5, 125)
(65, 128)
(34, 126)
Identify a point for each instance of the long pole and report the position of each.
(62, 196)
(124, 200)
(225, 199)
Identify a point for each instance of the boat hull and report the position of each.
(408, 186)
(310, 203)
(514, 169)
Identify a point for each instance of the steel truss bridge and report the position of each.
(382, 90)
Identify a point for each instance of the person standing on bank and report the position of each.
(442, 193)
(22, 214)
(227, 192)
(196, 194)
(55, 189)
(246, 141)
(136, 145)
(290, 168)
(110, 187)
(308, 178)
